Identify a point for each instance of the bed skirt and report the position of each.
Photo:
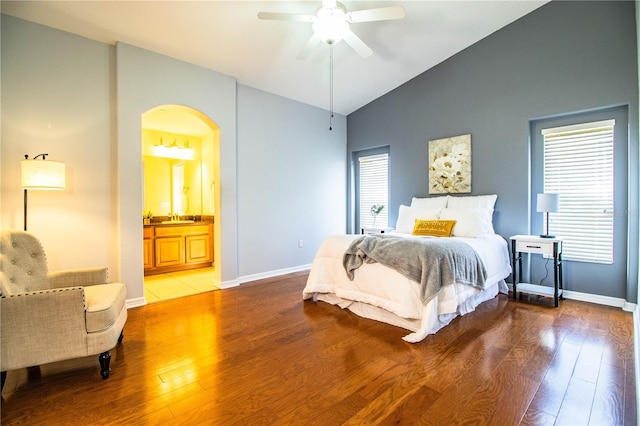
(431, 321)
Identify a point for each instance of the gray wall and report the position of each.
(564, 57)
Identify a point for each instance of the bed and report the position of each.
(382, 293)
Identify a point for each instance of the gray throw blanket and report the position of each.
(431, 262)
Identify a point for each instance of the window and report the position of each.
(578, 165)
(372, 189)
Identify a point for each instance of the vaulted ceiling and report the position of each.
(227, 36)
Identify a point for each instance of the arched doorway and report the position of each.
(180, 162)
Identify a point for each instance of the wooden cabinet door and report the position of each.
(198, 248)
(147, 245)
(169, 251)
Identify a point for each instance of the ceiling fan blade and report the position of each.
(286, 17)
(380, 14)
(357, 44)
(311, 44)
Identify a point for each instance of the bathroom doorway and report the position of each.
(180, 152)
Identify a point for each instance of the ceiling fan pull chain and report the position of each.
(330, 86)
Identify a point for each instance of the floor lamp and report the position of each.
(40, 175)
(547, 203)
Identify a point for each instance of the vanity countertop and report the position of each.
(179, 222)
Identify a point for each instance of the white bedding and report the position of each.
(382, 294)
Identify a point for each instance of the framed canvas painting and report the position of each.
(450, 165)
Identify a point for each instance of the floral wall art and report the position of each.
(450, 165)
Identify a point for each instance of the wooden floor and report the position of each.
(257, 354)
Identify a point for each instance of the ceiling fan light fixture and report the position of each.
(330, 25)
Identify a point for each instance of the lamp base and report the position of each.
(547, 236)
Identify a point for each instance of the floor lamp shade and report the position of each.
(547, 203)
(42, 174)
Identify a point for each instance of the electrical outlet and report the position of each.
(300, 243)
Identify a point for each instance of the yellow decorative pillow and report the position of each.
(436, 228)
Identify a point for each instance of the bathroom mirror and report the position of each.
(178, 172)
(172, 186)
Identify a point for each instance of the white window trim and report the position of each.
(595, 246)
(365, 219)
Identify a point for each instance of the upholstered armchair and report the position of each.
(53, 316)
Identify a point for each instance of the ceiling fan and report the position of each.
(331, 22)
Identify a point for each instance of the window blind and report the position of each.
(578, 165)
(374, 189)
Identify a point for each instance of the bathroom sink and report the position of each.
(171, 222)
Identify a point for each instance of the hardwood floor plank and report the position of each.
(608, 401)
(505, 374)
(549, 397)
(572, 408)
(510, 404)
(409, 411)
(374, 387)
(455, 400)
(345, 387)
(258, 354)
(630, 399)
(537, 418)
(389, 403)
(337, 414)
(588, 363)
(264, 416)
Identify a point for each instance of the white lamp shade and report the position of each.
(547, 203)
(42, 174)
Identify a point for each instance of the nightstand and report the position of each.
(367, 231)
(548, 247)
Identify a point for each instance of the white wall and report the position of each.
(57, 93)
(147, 80)
(291, 181)
(81, 101)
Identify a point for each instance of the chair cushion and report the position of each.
(104, 304)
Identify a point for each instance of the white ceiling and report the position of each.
(227, 36)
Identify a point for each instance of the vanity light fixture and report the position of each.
(173, 150)
(547, 203)
(41, 175)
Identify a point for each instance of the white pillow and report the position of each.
(407, 217)
(470, 222)
(460, 202)
(429, 203)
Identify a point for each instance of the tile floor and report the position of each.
(178, 284)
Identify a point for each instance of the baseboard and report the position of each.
(135, 302)
(226, 284)
(595, 298)
(270, 274)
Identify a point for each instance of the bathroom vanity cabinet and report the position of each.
(169, 247)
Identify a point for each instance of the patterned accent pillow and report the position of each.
(435, 228)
